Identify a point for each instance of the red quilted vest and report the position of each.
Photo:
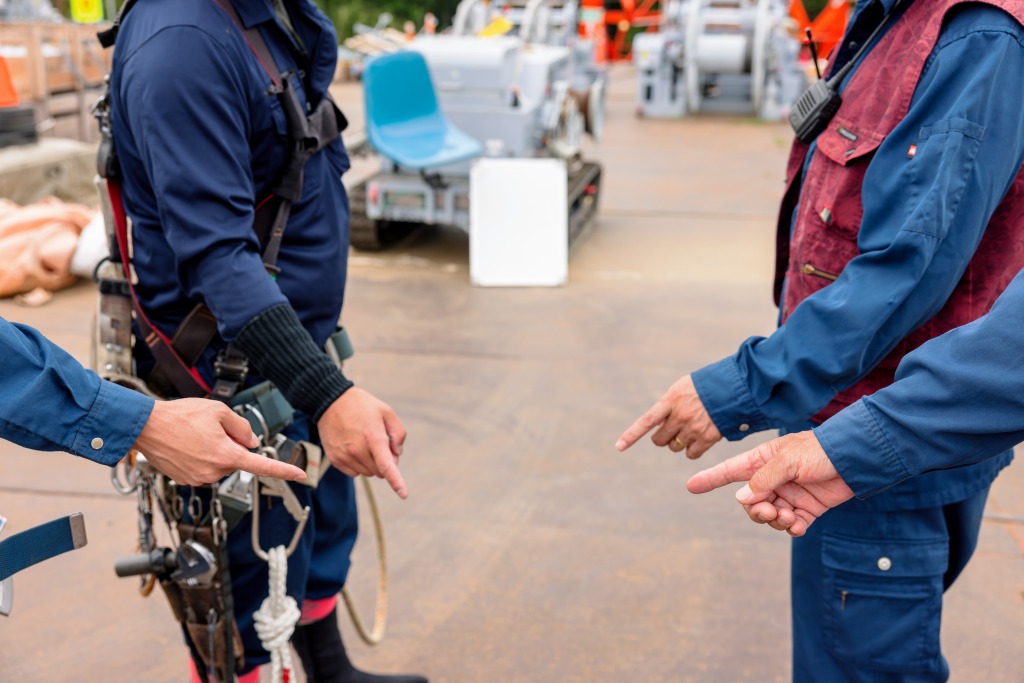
(824, 235)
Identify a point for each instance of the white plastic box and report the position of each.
(518, 224)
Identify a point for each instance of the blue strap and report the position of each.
(40, 543)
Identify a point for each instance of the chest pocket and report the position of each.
(830, 211)
(278, 121)
(844, 155)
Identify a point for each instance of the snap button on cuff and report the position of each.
(884, 563)
(96, 443)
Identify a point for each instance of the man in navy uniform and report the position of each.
(202, 137)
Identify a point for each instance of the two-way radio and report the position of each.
(815, 108)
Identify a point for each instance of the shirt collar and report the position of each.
(253, 12)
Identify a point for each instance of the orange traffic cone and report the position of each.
(8, 95)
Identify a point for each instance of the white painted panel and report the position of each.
(518, 226)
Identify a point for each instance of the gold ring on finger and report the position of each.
(679, 443)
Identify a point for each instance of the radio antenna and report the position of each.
(814, 52)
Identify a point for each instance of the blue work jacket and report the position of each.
(49, 402)
(841, 332)
(957, 400)
(201, 138)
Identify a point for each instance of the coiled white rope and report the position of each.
(276, 618)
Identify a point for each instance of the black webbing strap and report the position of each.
(184, 378)
(34, 545)
(194, 334)
(108, 37)
(255, 41)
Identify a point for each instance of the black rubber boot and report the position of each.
(324, 659)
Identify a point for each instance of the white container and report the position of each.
(518, 223)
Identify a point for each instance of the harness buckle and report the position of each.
(231, 369)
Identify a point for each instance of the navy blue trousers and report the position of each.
(867, 591)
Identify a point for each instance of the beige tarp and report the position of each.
(37, 242)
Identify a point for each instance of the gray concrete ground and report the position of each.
(529, 550)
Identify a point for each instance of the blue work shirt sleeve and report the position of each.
(957, 401)
(49, 402)
(923, 219)
(193, 137)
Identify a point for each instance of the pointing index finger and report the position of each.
(736, 469)
(385, 461)
(645, 423)
(263, 466)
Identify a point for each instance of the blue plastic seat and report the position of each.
(403, 120)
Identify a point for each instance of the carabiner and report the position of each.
(260, 553)
(130, 483)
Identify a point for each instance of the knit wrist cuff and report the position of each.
(280, 349)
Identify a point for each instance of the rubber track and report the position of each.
(366, 234)
(363, 233)
(583, 208)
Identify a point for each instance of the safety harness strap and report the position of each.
(40, 543)
(185, 378)
(109, 36)
(255, 42)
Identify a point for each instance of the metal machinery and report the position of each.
(515, 97)
(536, 22)
(738, 52)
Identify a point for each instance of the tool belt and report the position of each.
(206, 612)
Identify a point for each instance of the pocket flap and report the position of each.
(888, 558)
(842, 142)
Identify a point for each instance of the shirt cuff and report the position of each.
(860, 451)
(113, 424)
(728, 400)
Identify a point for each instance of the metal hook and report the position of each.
(195, 506)
(129, 483)
(219, 525)
(264, 428)
(260, 553)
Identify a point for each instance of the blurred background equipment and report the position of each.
(625, 20)
(510, 97)
(29, 10)
(720, 55)
(828, 26)
(56, 69)
(17, 122)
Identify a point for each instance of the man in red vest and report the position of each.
(956, 401)
(903, 219)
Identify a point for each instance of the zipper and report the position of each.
(808, 269)
(842, 599)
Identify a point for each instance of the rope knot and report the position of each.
(276, 618)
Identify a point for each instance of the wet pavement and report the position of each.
(529, 550)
